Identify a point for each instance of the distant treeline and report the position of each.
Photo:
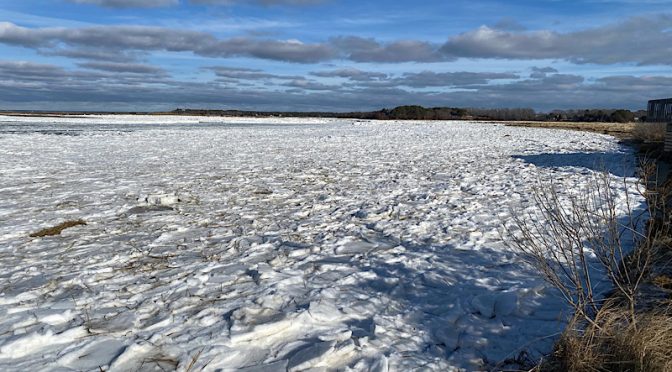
(446, 113)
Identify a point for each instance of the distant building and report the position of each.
(660, 110)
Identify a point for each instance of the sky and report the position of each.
(333, 55)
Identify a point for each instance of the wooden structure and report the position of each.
(660, 111)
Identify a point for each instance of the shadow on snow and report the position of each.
(617, 164)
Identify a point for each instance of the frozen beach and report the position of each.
(276, 244)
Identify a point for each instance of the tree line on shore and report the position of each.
(414, 112)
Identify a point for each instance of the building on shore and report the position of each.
(660, 111)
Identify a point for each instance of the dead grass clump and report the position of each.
(160, 362)
(56, 230)
(616, 344)
(650, 343)
(650, 132)
(663, 281)
(573, 352)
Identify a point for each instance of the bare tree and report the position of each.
(571, 238)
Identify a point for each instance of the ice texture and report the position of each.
(276, 244)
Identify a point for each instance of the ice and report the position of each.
(278, 366)
(33, 342)
(485, 304)
(506, 304)
(447, 335)
(276, 244)
(310, 356)
(93, 356)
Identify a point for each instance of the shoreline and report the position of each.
(619, 130)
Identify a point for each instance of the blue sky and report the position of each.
(331, 55)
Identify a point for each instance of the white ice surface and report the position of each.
(275, 244)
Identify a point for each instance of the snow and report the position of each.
(276, 244)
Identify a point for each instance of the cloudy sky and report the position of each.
(333, 55)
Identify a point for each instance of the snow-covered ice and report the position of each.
(275, 244)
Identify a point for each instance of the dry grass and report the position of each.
(160, 362)
(194, 359)
(616, 345)
(616, 129)
(649, 344)
(663, 281)
(650, 132)
(56, 230)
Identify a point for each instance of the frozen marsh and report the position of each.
(275, 244)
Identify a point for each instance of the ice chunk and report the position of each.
(93, 355)
(380, 365)
(133, 357)
(337, 336)
(279, 366)
(506, 304)
(450, 337)
(310, 356)
(324, 311)
(34, 342)
(485, 304)
(352, 245)
(121, 322)
(149, 209)
(160, 199)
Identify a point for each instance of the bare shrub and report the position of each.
(570, 239)
(650, 132)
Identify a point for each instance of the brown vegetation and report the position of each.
(56, 230)
(622, 130)
(617, 345)
(649, 132)
(663, 281)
